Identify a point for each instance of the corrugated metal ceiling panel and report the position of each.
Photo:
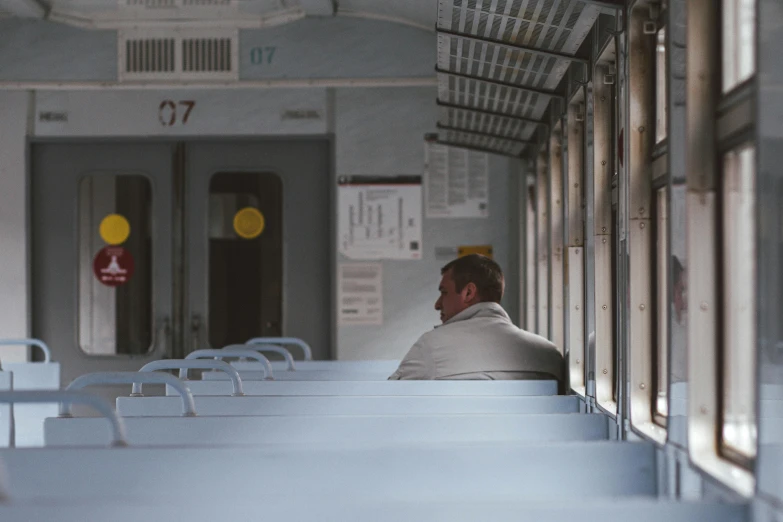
(477, 39)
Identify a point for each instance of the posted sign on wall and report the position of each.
(380, 217)
(360, 294)
(456, 182)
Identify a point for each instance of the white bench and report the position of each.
(6, 384)
(32, 376)
(494, 472)
(359, 430)
(327, 510)
(256, 405)
(304, 375)
(380, 388)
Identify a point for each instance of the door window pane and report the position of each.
(661, 103)
(245, 257)
(738, 42)
(661, 363)
(115, 264)
(739, 310)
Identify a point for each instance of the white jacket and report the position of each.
(482, 343)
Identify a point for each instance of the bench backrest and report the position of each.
(257, 405)
(380, 388)
(359, 430)
(491, 471)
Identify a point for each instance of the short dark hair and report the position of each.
(479, 270)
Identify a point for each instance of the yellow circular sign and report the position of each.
(249, 223)
(115, 229)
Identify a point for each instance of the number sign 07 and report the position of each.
(167, 112)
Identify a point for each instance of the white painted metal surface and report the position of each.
(357, 431)
(381, 388)
(326, 405)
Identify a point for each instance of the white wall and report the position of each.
(380, 132)
(377, 131)
(14, 317)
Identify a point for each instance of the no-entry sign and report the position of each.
(113, 266)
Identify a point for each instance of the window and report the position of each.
(115, 264)
(738, 42)
(738, 426)
(245, 257)
(661, 102)
(542, 222)
(557, 231)
(530, 256)
(661, 366)
(604, 211)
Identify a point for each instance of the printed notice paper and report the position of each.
(456, 182)
(360, 293)
(379, 217)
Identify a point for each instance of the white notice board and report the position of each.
(456, 182)
(360, 293)
(379, 217)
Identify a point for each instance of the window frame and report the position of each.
(557, 239)
(605, 266)
(575, 244)
(718, 122)
(643, 153)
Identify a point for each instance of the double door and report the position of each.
(151, 250)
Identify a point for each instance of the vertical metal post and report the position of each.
(557, 335)
(640, 134)
(575, 256)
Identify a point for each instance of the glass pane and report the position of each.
(530, 261)
(739, 281)
(115, 264)
(661, 363)
(661, 107)
(739, 42)
(245, 257)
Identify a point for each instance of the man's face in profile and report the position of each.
(451, 302)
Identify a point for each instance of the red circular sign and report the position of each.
(113, 266)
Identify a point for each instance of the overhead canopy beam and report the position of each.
(488, 113)
(610, 4)
(514, 46)
(24, 8)
(476, 148)
(542, 92)
(318, 7)
(484, 134)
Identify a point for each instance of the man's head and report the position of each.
(466, 281)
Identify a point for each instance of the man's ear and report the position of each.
(470, 292)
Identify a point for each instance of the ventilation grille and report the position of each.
(151, 4)
(149, 56)
(206, 55)
(477, 39)
(178, 55)
(157, 5)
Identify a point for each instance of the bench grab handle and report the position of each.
(71, 397)
(234, 350)
(183, 365)
(273, 349)
(30, 342)
(308, 352)
(92, 379)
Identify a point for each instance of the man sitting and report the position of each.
(477, 339)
